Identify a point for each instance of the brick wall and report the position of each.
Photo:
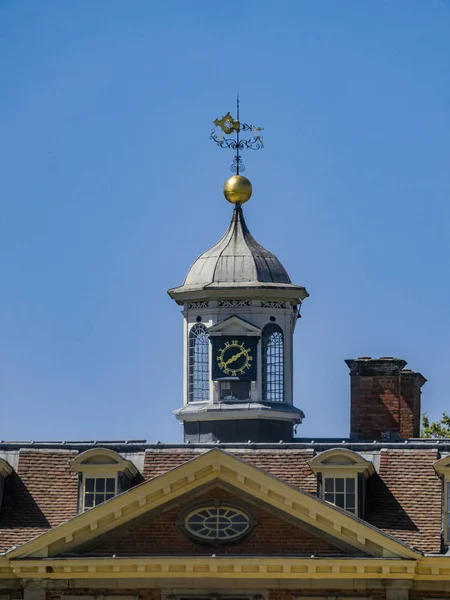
(385, 399)
(272, 535)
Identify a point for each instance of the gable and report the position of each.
(233, 326)
(163, 534)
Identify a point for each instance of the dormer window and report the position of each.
(103, 475)
(442, 468)
(342, 475)
(5, 470)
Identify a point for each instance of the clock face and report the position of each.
(234, 358)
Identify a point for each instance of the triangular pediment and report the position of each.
(166, 531)
(215, 468)
(234, 326)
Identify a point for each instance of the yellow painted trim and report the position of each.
(433, 568)
(211, 466)
(119, 463)
(352, 462)
(425, 568)
(182, 567)
(6, 571)
(442, 466)
(5, 468)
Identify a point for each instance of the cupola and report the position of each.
(237, 263)
(240, 310)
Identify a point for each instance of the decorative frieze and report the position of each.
(265, 304)
(234, 303)
(294, 568)
(198, 305)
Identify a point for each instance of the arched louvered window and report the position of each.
(273, 363)
(198, 364)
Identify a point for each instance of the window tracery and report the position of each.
(217, 522)
(198, 364)
(273, 363)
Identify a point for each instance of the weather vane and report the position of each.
(228, 125)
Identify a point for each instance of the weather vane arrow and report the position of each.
(229, 125)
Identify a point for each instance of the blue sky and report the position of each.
(110, 188)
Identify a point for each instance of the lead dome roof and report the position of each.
(236, 261)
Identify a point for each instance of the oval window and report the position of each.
(221, 523)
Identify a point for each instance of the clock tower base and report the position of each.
(254, 430)
(256, 422)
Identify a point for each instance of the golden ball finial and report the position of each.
(237, 189)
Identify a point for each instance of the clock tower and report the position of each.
(240, 310)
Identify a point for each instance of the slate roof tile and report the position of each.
(403, 499)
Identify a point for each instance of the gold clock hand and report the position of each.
(235, 357)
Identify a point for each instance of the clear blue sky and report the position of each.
(110, 188)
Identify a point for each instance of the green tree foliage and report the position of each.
(435, 429)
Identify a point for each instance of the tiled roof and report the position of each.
(40, 495)
(288, 465)
(403, 498)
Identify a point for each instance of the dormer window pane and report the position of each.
(98, 490)
(341, 491)
(329, 485)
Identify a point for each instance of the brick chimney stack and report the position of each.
(385, 399)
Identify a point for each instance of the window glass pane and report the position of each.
(98, 499)
(339, 484)
(109, 496)
(198, 363)
(272, 363)
(89, 501)
(340, 500)
(341, 492)
(110, 485)
(349, 501)
(99, 485)
(90, 485)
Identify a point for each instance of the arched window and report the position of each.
(272, 363)
(198, 364)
